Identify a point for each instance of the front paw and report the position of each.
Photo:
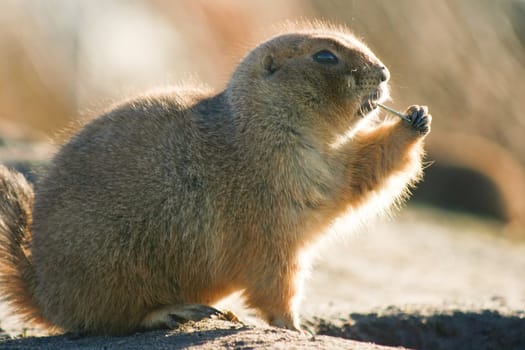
(286, 323)
(418, 119)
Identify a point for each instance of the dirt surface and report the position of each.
(424, 280)
(203, 335)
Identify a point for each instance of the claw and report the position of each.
(194, 312)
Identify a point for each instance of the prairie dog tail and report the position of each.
(17, 277)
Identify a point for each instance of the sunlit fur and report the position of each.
(185, 196)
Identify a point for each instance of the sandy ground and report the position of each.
(424, 280)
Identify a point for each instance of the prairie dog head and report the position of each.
(319, 80)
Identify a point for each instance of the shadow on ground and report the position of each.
(451, 330)
(153, 340)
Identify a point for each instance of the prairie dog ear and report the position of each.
(270, 65)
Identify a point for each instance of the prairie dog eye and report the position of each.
(325, 57)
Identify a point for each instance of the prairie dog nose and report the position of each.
(385, 74)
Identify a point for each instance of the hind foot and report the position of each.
(173, 315)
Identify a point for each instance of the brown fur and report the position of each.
(184, 196)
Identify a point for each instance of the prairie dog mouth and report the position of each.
(369, 102)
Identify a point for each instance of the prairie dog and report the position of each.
(182, 196)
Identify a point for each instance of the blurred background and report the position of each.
(61, 61)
